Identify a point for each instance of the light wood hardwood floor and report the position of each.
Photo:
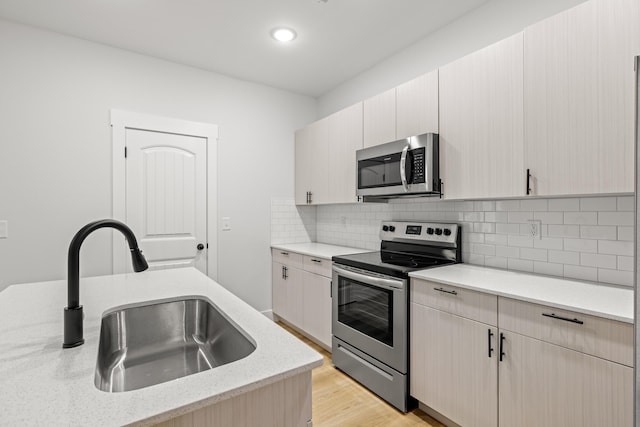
(338, 400)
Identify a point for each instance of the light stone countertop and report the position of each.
(42, 384)
(610, 302)
(318, 250)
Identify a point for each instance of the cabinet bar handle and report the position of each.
(566, 319)
(283, 271)
(310, 197)
(286, 270)
(528, 181)
(501, 345)
(284, 253)
(489, 335)
(316, 260)
(445, 291)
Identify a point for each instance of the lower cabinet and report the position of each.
(302, 294)
(454, 366)
(534, 366)
(542, 384)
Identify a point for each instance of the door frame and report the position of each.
(121, 121)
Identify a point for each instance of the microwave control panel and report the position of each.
(417, 176)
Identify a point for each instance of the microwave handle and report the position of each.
(403, 168)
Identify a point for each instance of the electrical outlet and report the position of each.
(535, 229)
(343, 220)
(226, 223)
(4, 229)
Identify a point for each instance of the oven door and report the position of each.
(369, 312)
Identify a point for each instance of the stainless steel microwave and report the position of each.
(405, 168)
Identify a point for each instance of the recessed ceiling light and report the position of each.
(283, 34)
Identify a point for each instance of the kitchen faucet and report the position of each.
(73, 312)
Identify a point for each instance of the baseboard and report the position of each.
(437, 415)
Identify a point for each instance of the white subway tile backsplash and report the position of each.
(625, 203)
(549, 217)
(495, 262)
(496, 239)
(581, 245)
(581, 218)
(549, 243)
(507, 252)
(550, 269)
(481, 249)
(598, 260)
(520, 241)
(615, 247)
(581, 273)
(534, 205)
(617, 277)
(496, 217)
(615, 218)
(507, 228)
(520, 264)
(508, 205)
(564, 257)
(533, 254)
(625, 233)
(588, 238)
(564, 205)
(564, 230)
(598, 232)
(598, 204)
(625, 263)
(520, 217)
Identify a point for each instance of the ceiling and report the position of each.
(337, 39)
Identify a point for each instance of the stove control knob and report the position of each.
(447, 232)
(392, 228)
(438, 231)
(429, 230)
(385, 228)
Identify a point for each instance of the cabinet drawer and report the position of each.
(290, 259)
(317, 265)
(472, 305)
(597, 336)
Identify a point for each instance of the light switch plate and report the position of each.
(4, 229)
(226, 223)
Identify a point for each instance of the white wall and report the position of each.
(55, 152)
(485, 25)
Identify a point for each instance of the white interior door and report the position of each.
(166, 197)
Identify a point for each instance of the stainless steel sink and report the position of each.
(160, 341)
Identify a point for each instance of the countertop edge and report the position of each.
(424, 275)
(300, 248)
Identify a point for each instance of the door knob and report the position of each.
(200, 246)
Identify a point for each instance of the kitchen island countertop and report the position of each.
(43, 384)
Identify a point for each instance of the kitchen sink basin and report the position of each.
(160, 341)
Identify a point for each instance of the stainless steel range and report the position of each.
(370, 312)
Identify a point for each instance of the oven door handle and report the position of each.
(372, 280)
(403, 168)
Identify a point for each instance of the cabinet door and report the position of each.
(278, 290)
(345, 137)
(312, 163)
(379, 121)
(317, 307)
(288, 293)
(417, 106)
(542, 384)
(481, 123)
(450, 367)
(579, 98)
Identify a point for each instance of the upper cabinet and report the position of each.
(417, 106)
(325, 155)
(345, 137)
(481, 123)
(312, 163)
(380, 119)
(408, 110)
(579, 99)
